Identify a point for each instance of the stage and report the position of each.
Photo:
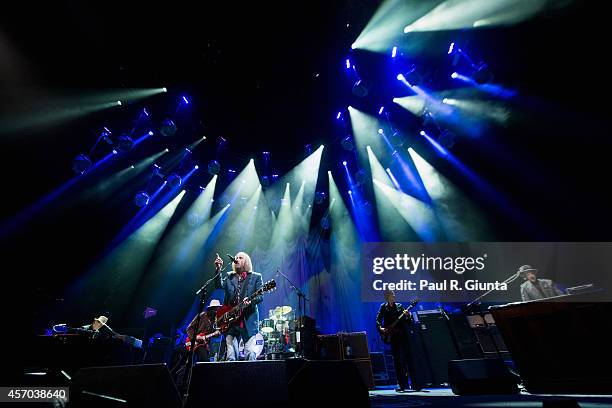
(383, 397)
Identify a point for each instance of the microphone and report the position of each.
(232, 258)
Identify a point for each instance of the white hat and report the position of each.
(102, 319)
(214, 303)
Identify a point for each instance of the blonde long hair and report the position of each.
(248, 265)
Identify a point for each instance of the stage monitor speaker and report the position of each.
(277, 383)
(481, 376)
(143, 385)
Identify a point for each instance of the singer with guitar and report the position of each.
(393, 324)
(238, 286)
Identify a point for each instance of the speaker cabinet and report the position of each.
(328, 347)
(354, 345)
(438, 343)
(147, 385)
(280, 383)
(481, 376)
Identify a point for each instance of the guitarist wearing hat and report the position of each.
(392, 322)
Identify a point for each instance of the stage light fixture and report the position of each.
(447, 139)
(348, 63)
(81, 163)
(360, 177)
(347, 143)
(393, 52)
(319, 197)
(413, 77)
(380, 111)
(125, 143)
(344, 163)
(175, 180)
(396, 140)
(141, 199)
(265, 181)
(361, 88)
(214, 167)
(168, 128)
(482, 74)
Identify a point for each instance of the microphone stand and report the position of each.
(511, 279)
(188, 372)
(301, 298)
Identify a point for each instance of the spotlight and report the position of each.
(196, 167)
(325, 222)
(380, 111)
(175, 180)
(168, 128)
(339, 115)
(115, 151)
(164, 90)
(105, 135)
(454, 75)
(124, 143)
(265, 181)
(447, 139)
(360, 177)
(400, 77)
(422, 133)
(482, 75)
(350, 192)
(319, 197)
(344, 163)
(348, 63)
(81, 164)
(347, 143)
(118, 103)
(361, 88)
(396, 140)
(393, 52)
(150, 133)
(451, 48)
(214, 167)
(413, 77)
(185, 100)
(141, 199)
(380, 131)
(367, 208)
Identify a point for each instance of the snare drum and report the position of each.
(267, 326)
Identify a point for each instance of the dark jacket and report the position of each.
(230, 285)
(547, 289)
(387, 315)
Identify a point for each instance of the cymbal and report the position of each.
(281, 310)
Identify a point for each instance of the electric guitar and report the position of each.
(227, 315)
(201, 339)
(392, 328)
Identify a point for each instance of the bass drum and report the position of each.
(267, 326)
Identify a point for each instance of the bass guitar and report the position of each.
(227, 315)
(392, 329)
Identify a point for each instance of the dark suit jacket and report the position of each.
(230, 287)
(530, 292)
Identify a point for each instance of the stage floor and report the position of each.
(444, 397)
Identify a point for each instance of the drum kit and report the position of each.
(278, 329)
